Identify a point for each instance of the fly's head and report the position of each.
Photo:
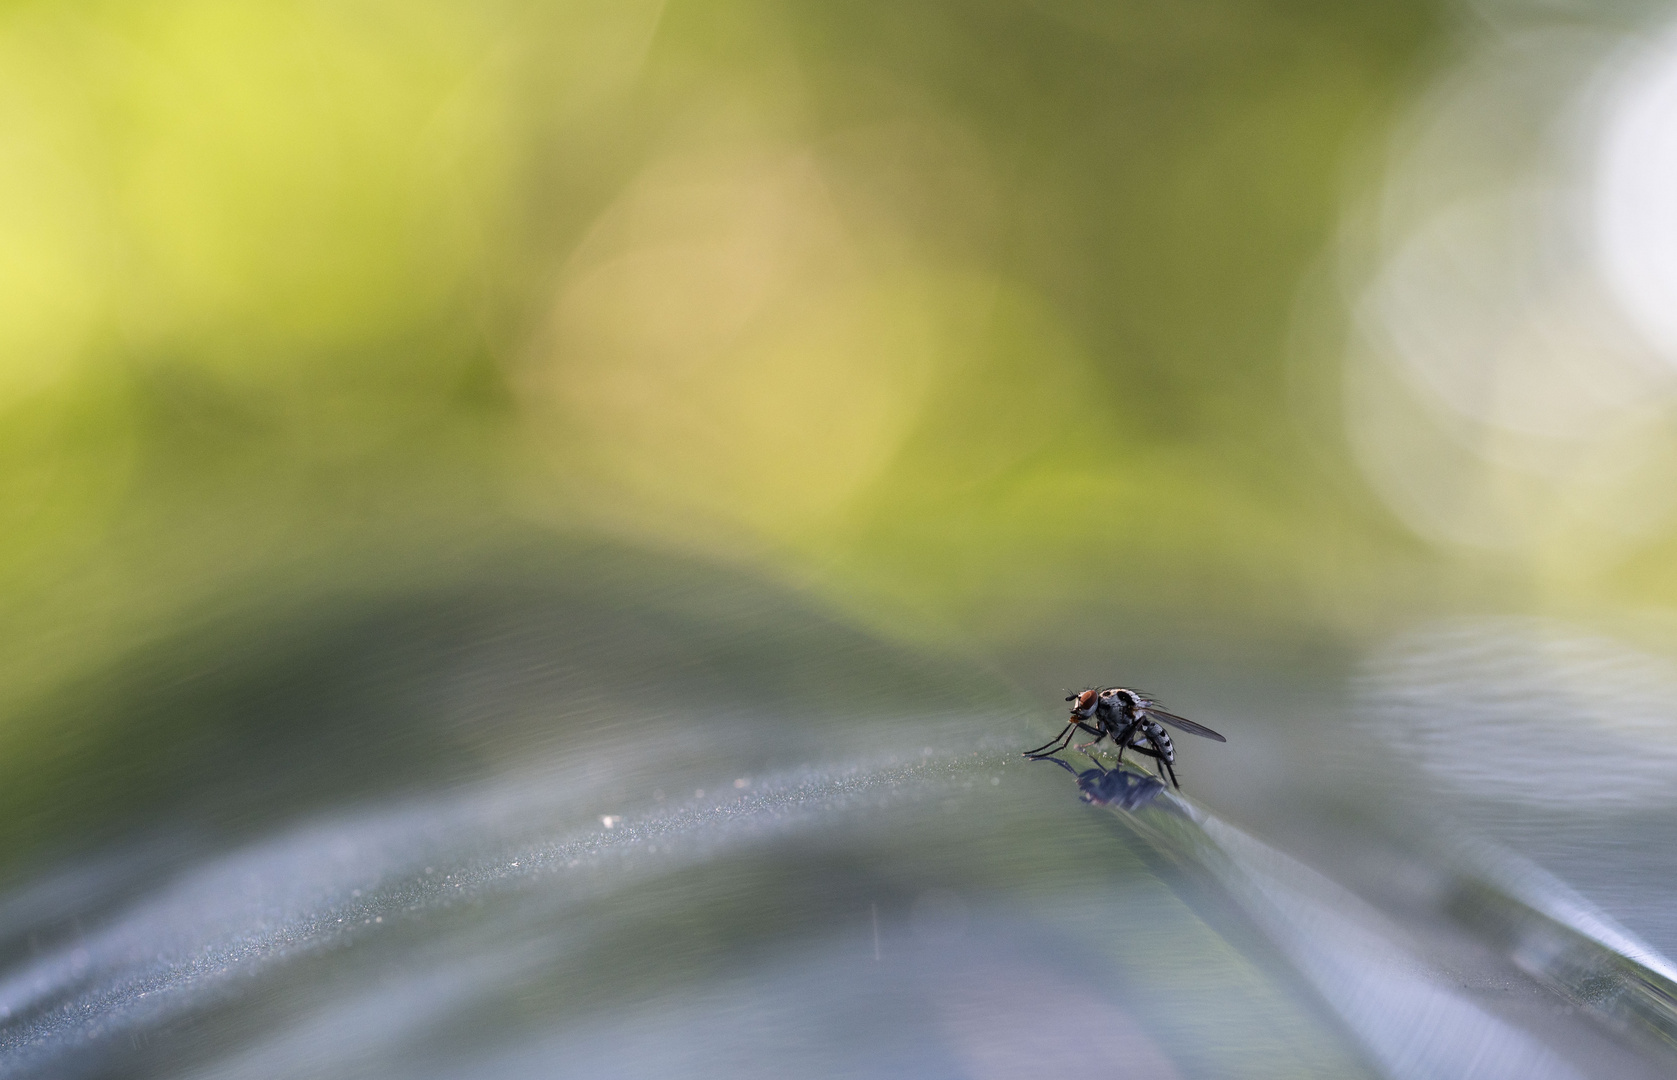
(1083, 705)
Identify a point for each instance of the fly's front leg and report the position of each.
(1098, 734)
(1062, 738)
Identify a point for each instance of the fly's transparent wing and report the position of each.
(1186, 725)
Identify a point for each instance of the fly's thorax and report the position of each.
(1118, 706)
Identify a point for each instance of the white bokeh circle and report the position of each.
(1636, 195)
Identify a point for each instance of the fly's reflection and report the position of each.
(1113, 787)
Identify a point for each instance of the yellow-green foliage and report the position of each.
(967, 315)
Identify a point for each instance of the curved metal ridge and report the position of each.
(1559, 938)
(1407, 1016)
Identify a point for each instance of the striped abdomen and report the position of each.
(1161, 741)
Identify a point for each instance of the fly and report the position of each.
(1130, 719)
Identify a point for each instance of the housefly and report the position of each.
(1130, 719)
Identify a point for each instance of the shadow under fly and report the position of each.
(1130, 719)
(1113, 787)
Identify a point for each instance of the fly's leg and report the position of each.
(1159, 752)
(1098, 734)
(1126, 741)
(1139, 749)
(1063, 737)
(1152, 754)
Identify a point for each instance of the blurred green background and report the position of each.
(981, 323)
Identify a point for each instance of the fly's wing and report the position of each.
(1186, 725)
